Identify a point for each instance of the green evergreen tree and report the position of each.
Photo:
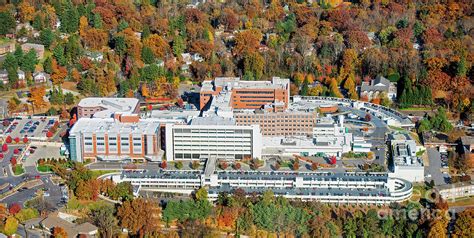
(58, 53)
(29, 61)
(69, 18)
(37, 23)
(7, 23)
(122, 25)
(47, 37)
(147, 55)
(145, 32)
(178, 45)
(304, 88)
(97, 21)
(119, 45)
(48, 65)
(11, 65)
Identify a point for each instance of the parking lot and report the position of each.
(36, 127)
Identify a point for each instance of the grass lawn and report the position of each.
(415, 109)
(396, 128)
(461, 202)
(44, 168)
(18, 169)
(97, 173)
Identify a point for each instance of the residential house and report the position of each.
(95, 56)
(36, 47)
(4, 76)
(375, 87)
(65, 221)
(7, 47)
(41, 77)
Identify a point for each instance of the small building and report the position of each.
(21, 75)
(94, 56)
(7, 47)
(456, 190)
(36, 47)
(405, 163)
(41, 77)
(106, 107)
(72, 229)
(4, 77)
(375, 87)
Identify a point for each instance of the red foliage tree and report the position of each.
(25, 139)
(1, 156)
(237, 166)
(224, 165)
(163, 165)
(8, 139)
(314, 166)
(49, 134)
(4, 147)
(13, 161)
(332, 160)
(17, 140)
(14, 208)
(16, 151)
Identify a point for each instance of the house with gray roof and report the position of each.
(375, 87)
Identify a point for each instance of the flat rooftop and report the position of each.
(185, 115)
(111, 125)
(235, 82)
(110, 105)
(213, 120)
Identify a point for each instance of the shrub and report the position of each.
(195, 165)
(179, 165)
(277, 166)
(237, 166)
(314, 166)
(223, 165)
(163, 165)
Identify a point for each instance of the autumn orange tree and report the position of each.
(140, 216)
(37, 97)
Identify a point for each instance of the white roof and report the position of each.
(110, 105)
(113, 126)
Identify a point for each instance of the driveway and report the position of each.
(434, 168)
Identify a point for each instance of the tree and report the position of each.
(237, 166)
(14, 208)
(47, 37)
(463, 226)
(140, 216)
(29, 61)
(7, 23)
(10, 227)
(36, 96)
(247, 42)
(13, 104)
(103, 217)
(26, 214)
(179, 165)
(163, 165)
(69, 18)
(26, 11)
(11, 65)
(147, 55)
(305, 89)
(438, 228)
(201, 194)
(158, 45)
(59, 232)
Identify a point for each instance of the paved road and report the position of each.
(434, 167)
(22, 196)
